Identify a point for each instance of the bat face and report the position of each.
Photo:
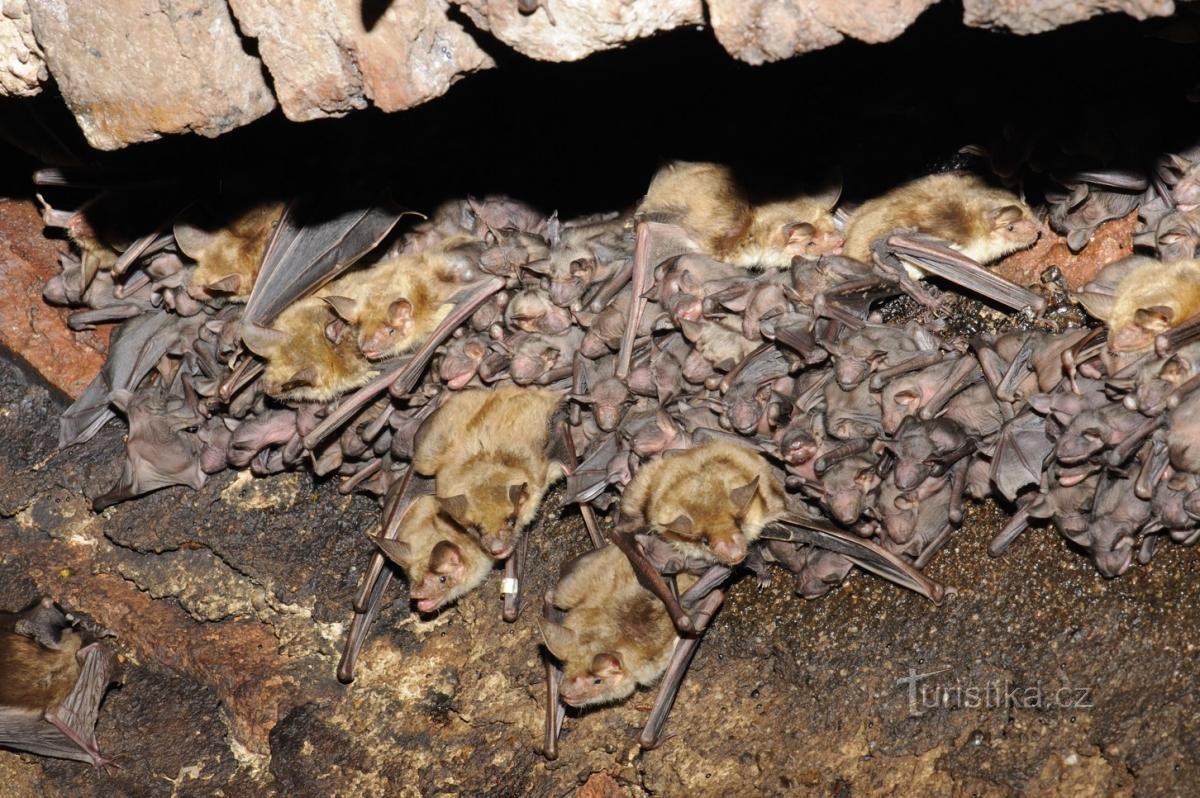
(493, 508)
(228, 259)
(604, 680)
(1151, 299)
(454, 569)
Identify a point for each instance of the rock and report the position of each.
(23, 69)
(28, 325)
(771, 30)
(145, 69)
(567, 30)
(327, 60)
(1031, 16)
(1112, 240)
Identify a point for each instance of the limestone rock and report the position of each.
(1034, 16)
(567, 30)
(332, 58)
(132, 70)
(22, 66)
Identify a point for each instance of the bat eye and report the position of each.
(442, 579)
(1011, 227)
(597, 680)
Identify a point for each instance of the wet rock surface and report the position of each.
(228, 607)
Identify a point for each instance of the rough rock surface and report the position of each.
(327, 60)
(1113, 240)
(69, 360)
(1039, 16)
(228, 606)
(133, 70)
(22, 66)
(567, 30)
(771, 30)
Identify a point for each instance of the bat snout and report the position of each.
(731, 550)
(497, 548)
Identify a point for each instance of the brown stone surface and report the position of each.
(28, 325)
(579, 27)
(325, 60)
(1111, 241)
(771, 30)
(22, 66)
(1039, 16)
(229, 604)
(133, 70)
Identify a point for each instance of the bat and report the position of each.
(1141, 299)
(52, 685)
(228, 251)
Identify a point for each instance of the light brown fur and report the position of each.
(487, 450)
(1153, 298)
(34, 676)
(228, 259)
(305, 343)
(397, 303)
(982, 222)
(706, 201)
(442, 562)
(688, 499)
(616, 634)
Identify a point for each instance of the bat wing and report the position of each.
(311, 245)
(66, 731)
(863, 553)
(589, 479)
(1021, 451)
(135, 349)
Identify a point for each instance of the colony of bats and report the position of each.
(709, 374)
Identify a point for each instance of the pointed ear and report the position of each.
(192, 240)
(559, 640)
(262, 341)
(397, 551)
(741, 496)
(305, 377)
(399, 312)
(517, 494)
(445, 557)
(1006, 215)
(1156, 318)
(682, 526)
(455, 506)
(801, 230)
(229, 284)
(334, 331)
(345, 307)
(607, 663)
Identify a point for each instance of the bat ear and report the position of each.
(445, 557)
(1097, 304)
(558, 639)
(741, 496)
(229, 284)
(120, 399)
(260, 340)
(192, 240)
(517, 494)
(799, 230)
(1006, 215)
(455, 506)
(607, 663)
(399, 312)
(682, 526)
(345, 307)
(542, 267)
(397, 551)
(303, 378)
(691, 329)
(1156, 317)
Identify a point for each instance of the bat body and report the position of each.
(1148, 299)
(228, 258)
(709, 502)
(488, 451)
(442, 562)
(981, 222)
(51, 684)
(311, 353)
(616, 635)
(396, 304)
(705, 200)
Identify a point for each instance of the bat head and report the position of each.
(1139, 333)
(461, 362)
(387, 331)
(847, 484)
(713, 521)
(589, 677)
(1186, 193)
(797, 446)
(571, 277)
(448, 569)
(1178, 235)
(492, 510)
(899, 511)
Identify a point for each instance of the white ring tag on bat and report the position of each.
(509, 586)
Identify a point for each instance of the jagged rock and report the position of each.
(333, 58)
(1031, 16)
(22, 66)
(567, 30)
(131, 71)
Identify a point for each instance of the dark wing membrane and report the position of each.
(312, 245)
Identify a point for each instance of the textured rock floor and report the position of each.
(228, 605)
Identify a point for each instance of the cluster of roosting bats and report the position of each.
(711, 371)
